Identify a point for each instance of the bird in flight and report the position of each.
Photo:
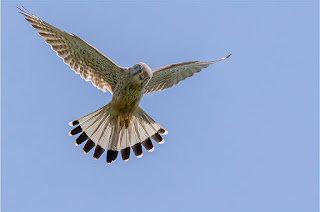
(121, 124)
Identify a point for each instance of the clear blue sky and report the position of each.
(243, 134)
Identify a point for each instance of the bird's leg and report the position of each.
(128, 120)
(121, 121)
(124, 121)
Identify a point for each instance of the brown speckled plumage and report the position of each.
(121, 123)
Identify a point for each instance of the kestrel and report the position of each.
(121, 124)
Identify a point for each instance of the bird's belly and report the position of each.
(126, 100)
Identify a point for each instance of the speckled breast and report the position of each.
(127, 99)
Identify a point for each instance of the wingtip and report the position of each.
(227, 57)
(19, 9)
(23, 11)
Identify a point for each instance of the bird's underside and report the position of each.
(120, 125)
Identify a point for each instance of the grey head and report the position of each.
(141, 71)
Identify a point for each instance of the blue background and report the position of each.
(243, 134)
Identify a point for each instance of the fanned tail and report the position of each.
(101, 130)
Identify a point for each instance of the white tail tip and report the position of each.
(163, 131)
(161, 142)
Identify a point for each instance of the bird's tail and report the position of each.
(104, 131)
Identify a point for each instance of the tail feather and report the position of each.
(157, 138)
(155, 125)
(145, 123)
(102, 130)
(93, 125)
(98, 152)
(125, 153)
(82, 138)
(148, 145)
(103, 142)
(114, 140)
(137, 150)
(88, 146)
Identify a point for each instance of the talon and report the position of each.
(128, 121)
(121, 122)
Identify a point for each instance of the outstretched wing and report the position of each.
(83, 58)
(168, 76)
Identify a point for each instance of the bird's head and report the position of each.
(141, 72)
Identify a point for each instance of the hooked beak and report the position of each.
(143, 75)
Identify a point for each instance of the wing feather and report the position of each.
(170, 75)
(83, 58)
